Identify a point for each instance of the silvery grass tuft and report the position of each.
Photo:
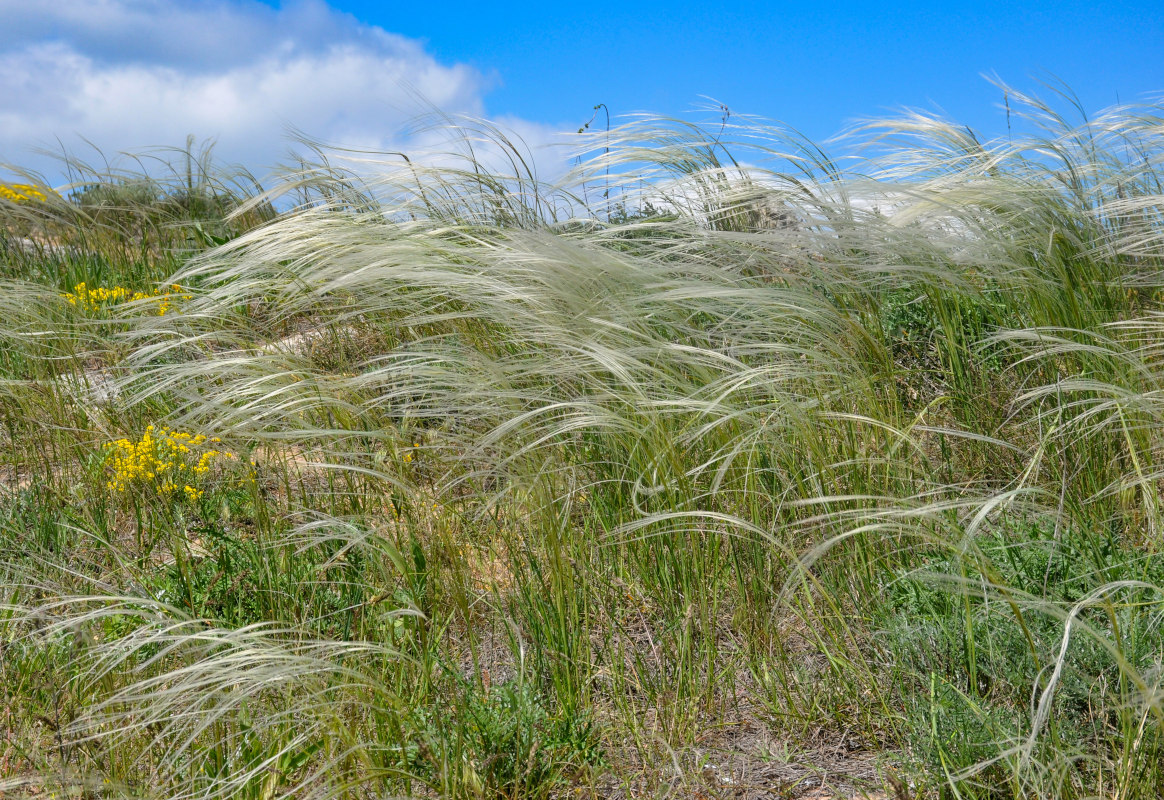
(890, 433)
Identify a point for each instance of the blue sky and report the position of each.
(813, 65)
(128, 74)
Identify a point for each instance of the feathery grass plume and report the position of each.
(140, 207)
(890, 432)
(251, 710)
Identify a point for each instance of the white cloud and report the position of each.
(131, 74)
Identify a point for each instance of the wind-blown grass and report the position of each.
(538, 495)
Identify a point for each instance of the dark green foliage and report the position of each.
(981, 633)
(503, 743)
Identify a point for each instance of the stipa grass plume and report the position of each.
(215, 712)
(133, 213)
(901, 422)
(509, 335)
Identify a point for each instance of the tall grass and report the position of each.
(751, 458)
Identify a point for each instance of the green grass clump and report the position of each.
(678, 486)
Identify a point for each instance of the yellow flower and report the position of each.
(92, 299)
(21, 192)
(147, 463)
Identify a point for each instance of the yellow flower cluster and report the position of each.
(91, 299)
(20, 192)
(166, 460)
